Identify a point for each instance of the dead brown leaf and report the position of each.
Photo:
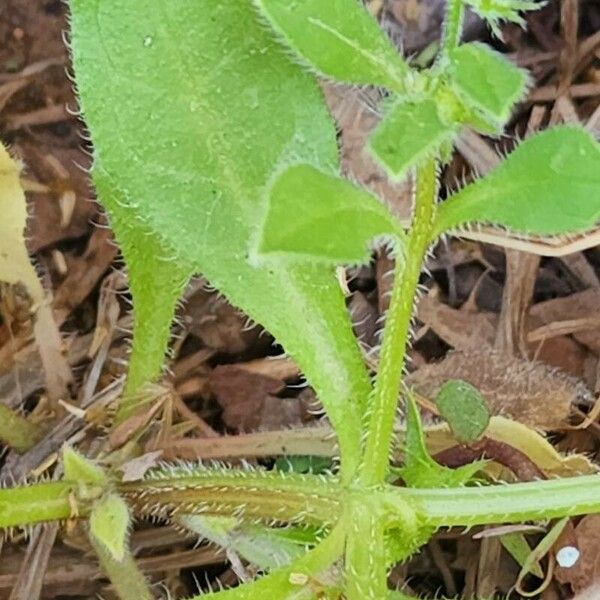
(57, 169)
(586, 571)
(563, 352)
(219, 325)
(248, 399)
(527, 391)
(364, 319)
(316, 441)
(152, 399)
(461, 329)
(136, 468)
(592, 593)
(521, 272)
(581, 305)
(85, 273)
(35, 562)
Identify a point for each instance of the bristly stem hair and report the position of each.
(452, 32)
(382, 406)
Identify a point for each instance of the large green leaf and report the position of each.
(314, 216)
(156, 282)
(549, 185)
(486, 81)
(191, 108)
(410, 134)
(338, 38)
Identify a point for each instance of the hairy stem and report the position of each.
(366, 565)
(265, 496)
(252, 495)
(125, 576)
(382, 409)
(511, 503)
(35, 504)
(453, 25)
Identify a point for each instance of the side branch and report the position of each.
(510, 503)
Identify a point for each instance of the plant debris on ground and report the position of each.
(520, 324)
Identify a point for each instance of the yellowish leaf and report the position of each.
(531, 443)
(15, 265)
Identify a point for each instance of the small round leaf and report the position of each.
(464, 408)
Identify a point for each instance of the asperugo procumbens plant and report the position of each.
(215, 154)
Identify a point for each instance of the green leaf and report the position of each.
(419, 469)
(486, 81)
(408, 135)
(262, 546)
(81, 469)
(207, 107)
(517, 546)
(156, 282)
(542, 548)
(494, 11)
(400, 547)
(304, 464)
(109, 523)
(549, 185)
(464, 409)
(17, 431)
(292, 581)
(313, 216)
(337, 38)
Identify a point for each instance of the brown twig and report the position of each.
(515, 460)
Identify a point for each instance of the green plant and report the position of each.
(214, 153)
